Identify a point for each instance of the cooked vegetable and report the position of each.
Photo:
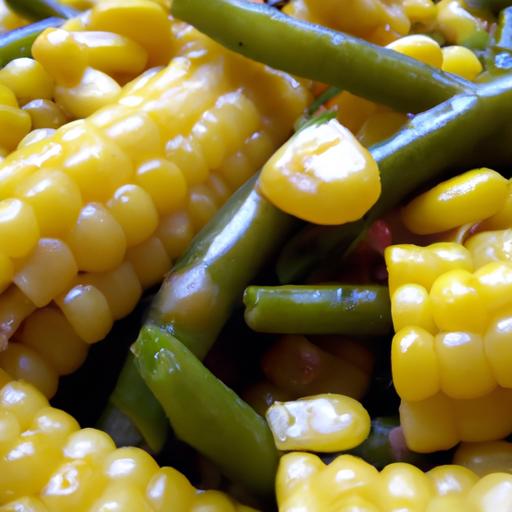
(49, 463)
(485, 458)
(100, 209)
(303, 49)
(321, 423)
(318, 309)
(322, 175)
(205, 413)
(304, 481)
(40, 9)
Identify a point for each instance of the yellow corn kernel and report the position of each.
(150, 261)
(202, 206)
(36, 136)
(493, 493)
(212, 501)
(187, 155)
(429, 425)
(403, 485)
(494, 284)
(236, 169)
(497, 346)
(95, 90)
(91, 159)
(27, 79)
(175, 232)
(24, 363)
(164, 182)
(14, 308)
(46, 272)
(56, 46)
(419, 47)
(19, 231)
(501, 219)
(49, 333)
(73, 486)
(6, 272)
(456, 303)
(135, 212)
(295, 469)
(420, 11)
(410, 306)
(45, 114)
(120, 496)
(304, 177)
(484, 418)
(353, 111)
(97, 240)
(23, 400)
(7, 97)
(112, 53)
(379, 126)
(461, 354)
(121, 287)
(452, 480)
(14, 125)
(408, 264)
(490, 246)
(87, 310)
(461, 61)
(169, 490)
(54, 423)
(24, 505)
(344, 476)
(131, 466)
(143, 21)
(485, 458)
(469, 197)
(455, 23)
(218, 188)
(322, 423)
(55, 198)
(416, 371)
(89, 445)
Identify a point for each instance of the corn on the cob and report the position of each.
(47, 463)
(349, 484)
(451, 361)
(485, 458)
(96, 211)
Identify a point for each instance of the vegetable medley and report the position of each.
(279, 236)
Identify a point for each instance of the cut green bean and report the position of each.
(35, 10)
(18, 42)
(326, 309)
(311, 51)
(205, 413)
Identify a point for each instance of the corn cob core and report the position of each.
(451, 358)
(348, 483)
(97, 211)
(48, 463)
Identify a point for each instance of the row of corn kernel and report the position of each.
(147, 219)
(348, 483)
(450, 357)
(48, 463)
(75, 73)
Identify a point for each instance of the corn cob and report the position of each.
(96, 212)
(348, 483)
(450, 356)
(48, 463)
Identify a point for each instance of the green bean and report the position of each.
(311, 51)
(451, 135)
(18, 43)
(205, 413)
(504, 31)
(35, 10)
(338, 309)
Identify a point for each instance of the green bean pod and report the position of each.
(337, 309)
(315, 52)
(36, 10)
(205, 413)
(18, 43)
